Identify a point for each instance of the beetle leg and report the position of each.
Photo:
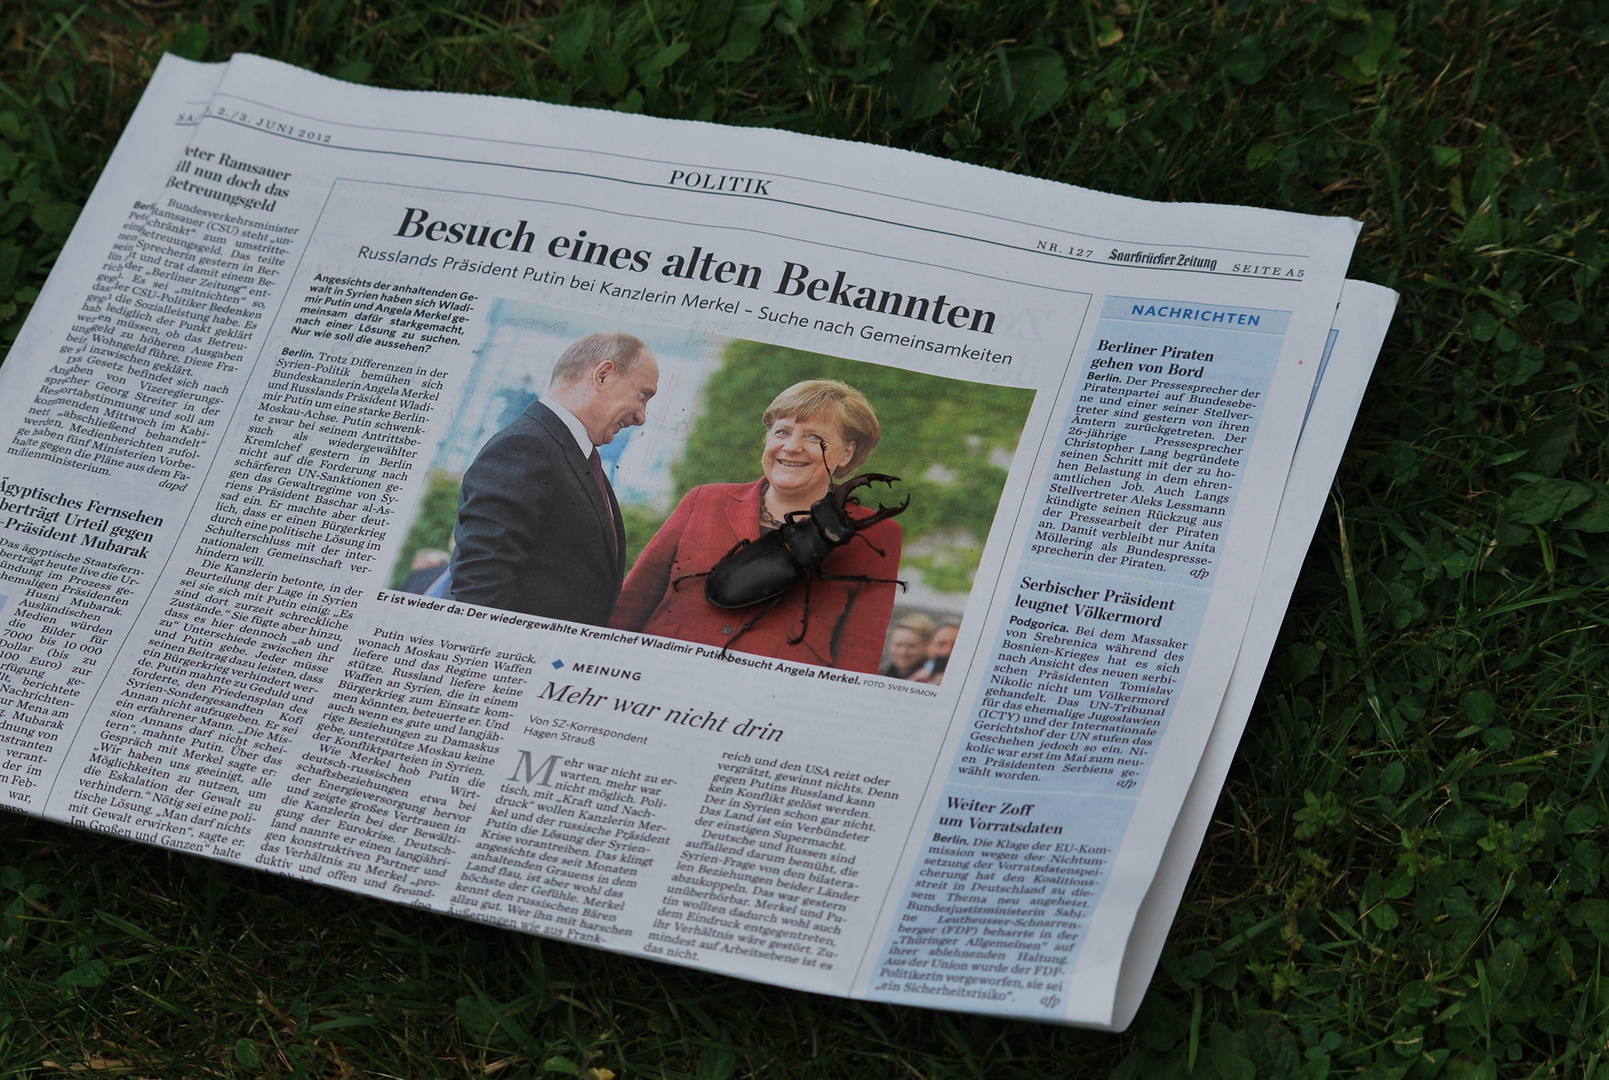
(804, 615)
(745, 627)
(880, 552)
(864, 580)
(677, 584)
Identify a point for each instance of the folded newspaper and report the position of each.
(806, 561)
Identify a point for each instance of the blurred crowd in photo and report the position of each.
(919, 648)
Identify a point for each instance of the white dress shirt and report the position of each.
(582, 440)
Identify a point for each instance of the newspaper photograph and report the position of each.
(735, 437)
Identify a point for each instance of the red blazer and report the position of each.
(848, 620)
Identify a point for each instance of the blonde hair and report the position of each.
(917, 623)
(829, 399)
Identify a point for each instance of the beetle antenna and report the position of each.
(826, 466)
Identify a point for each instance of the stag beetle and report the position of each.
(756, 571)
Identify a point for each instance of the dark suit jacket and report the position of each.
(847, 620)
(533, 528)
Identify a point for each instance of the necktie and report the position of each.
(603, 489)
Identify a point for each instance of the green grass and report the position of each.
(1404, 875)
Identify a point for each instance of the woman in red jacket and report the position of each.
(816, 431)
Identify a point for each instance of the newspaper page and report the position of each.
(1354, 343)
(518, 508)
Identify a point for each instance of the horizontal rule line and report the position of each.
(579, 174)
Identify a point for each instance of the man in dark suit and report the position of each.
(539, 530)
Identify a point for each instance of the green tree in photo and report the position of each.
(642, 522)
(950, 442)
(433, 526)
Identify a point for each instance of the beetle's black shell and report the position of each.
(754, 573)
